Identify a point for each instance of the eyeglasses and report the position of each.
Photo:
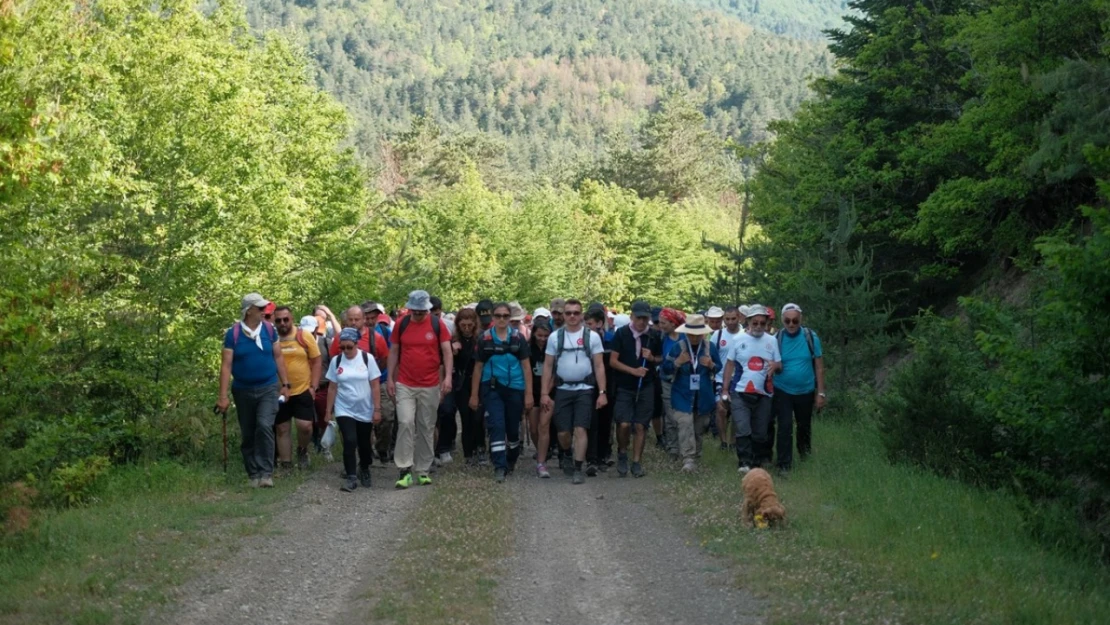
(573, 313)
(791, 322)
(501, 316)
(347, 348)
(757, 324)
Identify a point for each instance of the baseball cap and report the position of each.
(484, 307)
(558, 304)
(641, 309)
(436, 302)
(541, 312)
(309, 323)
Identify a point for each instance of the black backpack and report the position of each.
(335, 360)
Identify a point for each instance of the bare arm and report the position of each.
(222, 402)
(819, 371)
(391, 383)
(283, 375)
(476, 381)
(331, 402)
(448, 365)
(376, 397)
(547, 380)
(314, 377)
(727, 378)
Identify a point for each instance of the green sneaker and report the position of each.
(424, 480)
(405, 481)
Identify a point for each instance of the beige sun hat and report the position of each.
(695, 324)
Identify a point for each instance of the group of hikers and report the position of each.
(567, 377)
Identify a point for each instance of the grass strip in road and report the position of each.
(118, 558)
(447, 568)
(870, 542)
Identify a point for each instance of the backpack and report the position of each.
(806, 332)
(335, 360)
(405, 324)
(560, 345)
(513, 346)
(236, 330)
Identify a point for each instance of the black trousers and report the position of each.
(600, 442)
(356, 438)
(473, 422)
(448, 428)
(788, 409)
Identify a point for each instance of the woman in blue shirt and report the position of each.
(690, 369)
(252, 357)
(503, 381)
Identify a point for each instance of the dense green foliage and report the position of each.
(549, 81)
(794, 18)
(959, 144)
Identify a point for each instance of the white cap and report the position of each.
(714, 312)
(309, 323)
(621, 320)
(758, 309)
(541, 312)
(790, 307)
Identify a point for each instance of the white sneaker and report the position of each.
(436, 461)
(743, 470)
(445, 458)
(689, 466)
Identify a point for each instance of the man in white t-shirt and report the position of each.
(755, 356)
(573, 366)
(720, 342)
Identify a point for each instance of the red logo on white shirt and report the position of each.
(580, 340)
(724, 342)
(755, 363)
(339, 371)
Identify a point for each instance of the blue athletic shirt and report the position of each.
(252, 367)
(505, 366)
(797, 376)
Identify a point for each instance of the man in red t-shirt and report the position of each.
(420, 367)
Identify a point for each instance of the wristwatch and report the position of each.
(601, 392)
(287, 385)
(821, 395)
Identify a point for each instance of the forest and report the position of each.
(930, 182)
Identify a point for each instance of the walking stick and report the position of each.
(216, 409)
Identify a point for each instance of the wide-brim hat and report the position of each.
(756, 310)
(695, 324)
(419, 300)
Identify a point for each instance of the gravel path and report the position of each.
(325, 549)
(611, 552)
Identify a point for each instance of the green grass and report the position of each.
(448, 567)
(868, 542)
(120, 557)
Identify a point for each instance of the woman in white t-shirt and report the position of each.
(353, 397)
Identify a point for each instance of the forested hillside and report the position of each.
(550, 79)
(803, 19)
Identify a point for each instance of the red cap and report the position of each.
(269, 309)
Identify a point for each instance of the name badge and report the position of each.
(695, 381)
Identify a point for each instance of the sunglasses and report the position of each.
(501, 316)
(791, 322)
(757, 324)
(283, 320)
(347, 348)
(573, 313)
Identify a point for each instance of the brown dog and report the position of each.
(760, 499)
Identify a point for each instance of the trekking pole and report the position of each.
(224, 419)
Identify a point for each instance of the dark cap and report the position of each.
(655, 311)
(484, 307)
(436, 303)
(641, 309)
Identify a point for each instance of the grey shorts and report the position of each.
(630, 409)
(573, 409)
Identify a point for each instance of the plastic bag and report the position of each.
(327, 440)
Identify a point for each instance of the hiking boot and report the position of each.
(445, 458)
(689, 466)
(483, 461)
(255, 482)
(622, 465)
(266, 482)
(743, 470)
(541, 470)
(424, 480)
(405, 481)
(350, 484)
(302, 458)
(364, 477)
(637, 470)
(578, 478)
(591, 470)
(675, 457)
(499, 475)
(383, 456)
(724, 446)
(566, 463)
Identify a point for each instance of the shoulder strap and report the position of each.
(335, 360)
(270, 331)
(560, 340)
(302, 341)
(235, 331)
(366, 360)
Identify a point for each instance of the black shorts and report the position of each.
(630, 409)
(573, 409)
(300, 407)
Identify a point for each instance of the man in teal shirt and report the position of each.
(799, 387)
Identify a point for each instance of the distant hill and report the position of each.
(551, 78)
(804, 19)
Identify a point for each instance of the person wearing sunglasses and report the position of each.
(799, 388)
(756, 357)
(503, 379)
(302, 360)
(353, 395)
(253, 365)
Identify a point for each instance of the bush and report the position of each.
(72, 484)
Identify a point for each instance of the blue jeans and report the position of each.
(504, 407)
(257, 409)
